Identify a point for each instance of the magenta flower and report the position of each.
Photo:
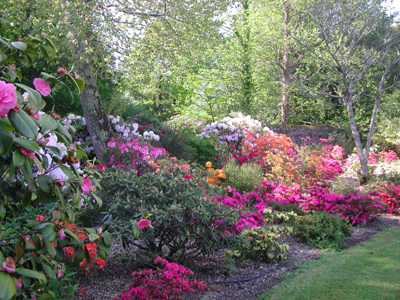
(8, 98)
(59, 272)
(143, 224)
(35, 116)
(28, 153)
(61, 234)
(42, 86)
(87, 186)
(9, 265)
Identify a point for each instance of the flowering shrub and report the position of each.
(170, 282)
(214, 175)
(231, 130)
(390, 194)
(186, 123)
(184, 222)
(29, 244)
(133, 155)
(354, 207)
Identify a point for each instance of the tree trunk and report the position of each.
(93, 110)
(286, 68)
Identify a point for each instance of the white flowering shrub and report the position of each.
(186, 123)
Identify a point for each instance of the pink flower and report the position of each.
(62, 70)
(147, 125)
(61, 234)
(188, 176)
(35, 116)
(101, 167)
(8, 98)
(18, 282)
(141, 127)
(59, 272)
(9, 265)
(143, 224)
(27, 152)
(87, 186)
(42, 86)
(43, 35)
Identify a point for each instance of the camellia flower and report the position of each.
(18, 282)
(59, 272)
(9, 265)
(27, 152)
(42, 86)
(62, 70)
(87, 186)
(143, 224)
(8, 98)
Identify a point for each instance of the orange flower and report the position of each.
(208, 164)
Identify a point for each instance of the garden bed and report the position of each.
(115, 277)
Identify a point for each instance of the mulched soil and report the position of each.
(114, 278)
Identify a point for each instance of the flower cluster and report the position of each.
(188, 123)
(169, 282)
(215, 175)
(390, 194)
(354, 207)
(132, 155)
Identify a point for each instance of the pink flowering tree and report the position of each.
(40, 170)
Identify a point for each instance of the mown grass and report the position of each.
(368, 271)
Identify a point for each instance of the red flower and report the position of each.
(101, 167)
(147, 125)
(143, 224)
(187, 176)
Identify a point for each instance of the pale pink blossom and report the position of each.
(9, 265)
(8, 98)
(143, 224)
(42, 86)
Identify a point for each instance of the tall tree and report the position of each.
(358, 45)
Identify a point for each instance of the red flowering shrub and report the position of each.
(355, 207)
(390, 195)
(170, 282)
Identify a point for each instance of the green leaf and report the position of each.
(45, 182)
(66, 171)
(31, 274)
(81, 154)
(1, 258)
(27, 144)
(98, 200)
(32, 52)
(23, 123)
(50, 249)
(19, 45)
(7, 290)
(52, 48)
(49, 77)
(6, 125)
(18, 159)
(34, 97)
(80, 83)
(71, 234)
(48, 233)
(55, 150)
(5, 43)
(48, 122)
(44, 197)
(65, 132)
(107, 237)
(6, 140)
(93, 237)
(73, 82)
(34, 39)
(47, 296)
(44, 52)
(19, 250)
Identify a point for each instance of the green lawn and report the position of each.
(368, 271)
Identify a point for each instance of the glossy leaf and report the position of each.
(18, 159)
(6, 140)
(44, 52)
(45, 182)
(52, 48)
(66, 171)
(48, 233)
(64, 132)
(48, 122)
(50, 249)
(31, 274)
(80, 83)
(34, 96)
(19, 45)
(27, 144)
(23, 124)
(7, 284)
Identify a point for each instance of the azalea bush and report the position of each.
(171, 281)
(175, 199)
(353, 206)
(390, 195)
(34, 148)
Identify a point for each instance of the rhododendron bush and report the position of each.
(40, 170)
(390, 195)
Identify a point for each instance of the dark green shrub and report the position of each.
(184, 223)
(243, 178)
(321, 230)
(286, 207)
(203, 149)
(176, 143)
